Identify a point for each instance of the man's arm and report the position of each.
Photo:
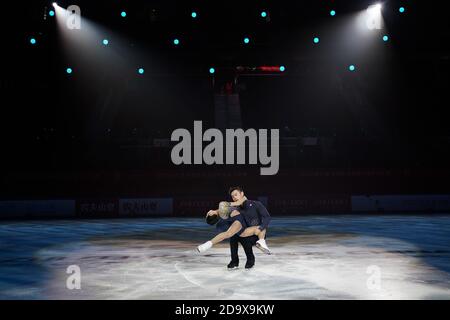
(263, 214)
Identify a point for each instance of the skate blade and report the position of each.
(263, 249)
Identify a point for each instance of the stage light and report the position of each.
(105, 42)
(69, 70)
(332, 13)
(374, 9)
(194, 14)
(54, 4)
(51, 13)
(123, 14)
(352, 68)
(141, 70)
(385, 38)
(176, 42)
(33, 41)
(263, 14)
(402, 9)
(316, 40)
(246, 40)
(212, 70)
(282, 68)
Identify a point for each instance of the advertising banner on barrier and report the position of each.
(94, 208)
(200, 206)
(195, 206)
(301, 204)
(37, 208)
(145, 206)
(401, 203)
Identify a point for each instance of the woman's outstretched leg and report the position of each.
(250, 231)
(235, 227)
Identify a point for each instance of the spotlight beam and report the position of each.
(374, 17)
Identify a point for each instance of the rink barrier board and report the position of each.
(401, 203)
(197, 207)
(146, 207)
(37, 208)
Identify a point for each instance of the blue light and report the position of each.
(33, 41)
(176, 42)
(123, 14)
(194, 14)
(105, 42)
(352, 68)
(69, 70)
(263, 14)
(282, 68)
(212, 70)
(385, 38)
(332, 13)
(316, 40)
(141, 70)
(246, 40)
(402, 9)
(51, 13)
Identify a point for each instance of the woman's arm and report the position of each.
(239, 202)
(212, 212)
(232, 204)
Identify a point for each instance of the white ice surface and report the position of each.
(298, 269)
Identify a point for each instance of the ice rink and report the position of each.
(315, 257)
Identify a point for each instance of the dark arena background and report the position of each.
(93, 204)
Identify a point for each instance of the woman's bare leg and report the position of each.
(261, 234)
(250, 231)
(254, 231)
(261, 243)
(232, 230)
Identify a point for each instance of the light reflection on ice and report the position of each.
(314, 258)
(156, 270)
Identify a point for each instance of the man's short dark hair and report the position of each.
(235, 188)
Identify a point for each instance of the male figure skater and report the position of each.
(247, 224)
